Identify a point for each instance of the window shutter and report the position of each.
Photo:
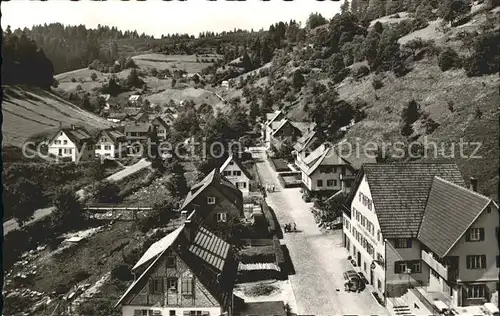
(408, 243)
(467, 258)
(396, 267)
(151, 286)
(481, 234)
(483, 261)
(467, 235)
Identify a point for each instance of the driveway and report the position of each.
(11, 224)
(318, 258)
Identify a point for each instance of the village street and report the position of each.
(318, 258)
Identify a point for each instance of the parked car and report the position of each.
(354, 282)
(362, 276)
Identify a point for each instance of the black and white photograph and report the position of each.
(250, 158)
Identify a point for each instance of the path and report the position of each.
(11, 224)
(318, 258)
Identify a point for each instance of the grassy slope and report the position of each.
(29, 111)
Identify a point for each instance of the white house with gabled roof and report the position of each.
(236, 173)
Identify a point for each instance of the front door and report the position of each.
(359, 259)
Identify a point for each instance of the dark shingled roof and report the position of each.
(450, 211)
(78, 135)
(206, 256)
(400, 191)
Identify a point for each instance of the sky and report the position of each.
(156, 17)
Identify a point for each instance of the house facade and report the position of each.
(216, 199)
(110, 143)
(73, 143)
(394, 236)
(235, 172)
(188, 272)
(137, 136)
(161, 128)
(135, 100)
(324, 171)
(272, 122)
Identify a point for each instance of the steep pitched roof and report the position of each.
(323, 156)
(214, 177)
(450, 211)
(303, 127)
(160, 120)
(238, 163)
(399, 192)
(112, 133)
(78, 135)
(208, 257)
(137, 128)
(304, 141)
(274, 117)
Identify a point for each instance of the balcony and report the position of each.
(435, 265)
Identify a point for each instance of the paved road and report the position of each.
(11, 224)
(318, 258)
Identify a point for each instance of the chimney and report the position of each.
(473, 184)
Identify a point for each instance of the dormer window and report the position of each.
(211, 200)
(231, 163)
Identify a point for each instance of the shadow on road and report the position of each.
(277, 227)
(288, 268)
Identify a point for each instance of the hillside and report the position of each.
(31, 111)
(454, 105)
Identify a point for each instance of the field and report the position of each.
(29, 112)
(188, 63)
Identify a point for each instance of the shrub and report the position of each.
(360, 72)
(73, 80)
(486, 56)
(93, 76)
(448, 59)
(122, 272)
(377, 82)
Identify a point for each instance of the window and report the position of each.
(378, 235)
(320, 183)
(171, 313)
(98, 147)
(57, 142)
(170, 260)
(172, 284)
(329, 183)
(227, 173)
(403, 243)
(416, 267)
(364, 266)
(475, 234)
(107, 147)
(211, 200)
(400, 267)
(379, 285)
(187, 287)
(236, 173)
(476, 291)
(221, 217)
(65, 142)
(156, 286)
(231, 163)
(476, 262)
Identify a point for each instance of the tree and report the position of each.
(133, 79)
(298, 80)
(448, 59)
(68, 212)
(86, 105)
(24, 197)
(451, 10)
(410, 115)
(246, 62)
(93, 76)
(130, 63)
(176, 183)
(344, 8)
(173, 82)
(254, 111)
(315, 20)
(106, 192)
(485, 58)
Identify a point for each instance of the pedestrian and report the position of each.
(294, 227)
(273, 187)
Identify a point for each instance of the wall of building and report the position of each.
(318, 175)
(72, 151)
(222, 205)
(237, 179)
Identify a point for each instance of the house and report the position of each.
(225, 84)
(135, 99)
(326, 170)
(168, 118)
(416, 227)
(272, 122)
(74, 143)
(132, 111)
(137, 136)
(190, 271)
(235, 172)
(120, 118)
(305, 145)
(216, 198)
(161, 127)
(141, 117)
(110, 143)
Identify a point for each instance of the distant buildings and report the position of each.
(135, 100)
(73, 143)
